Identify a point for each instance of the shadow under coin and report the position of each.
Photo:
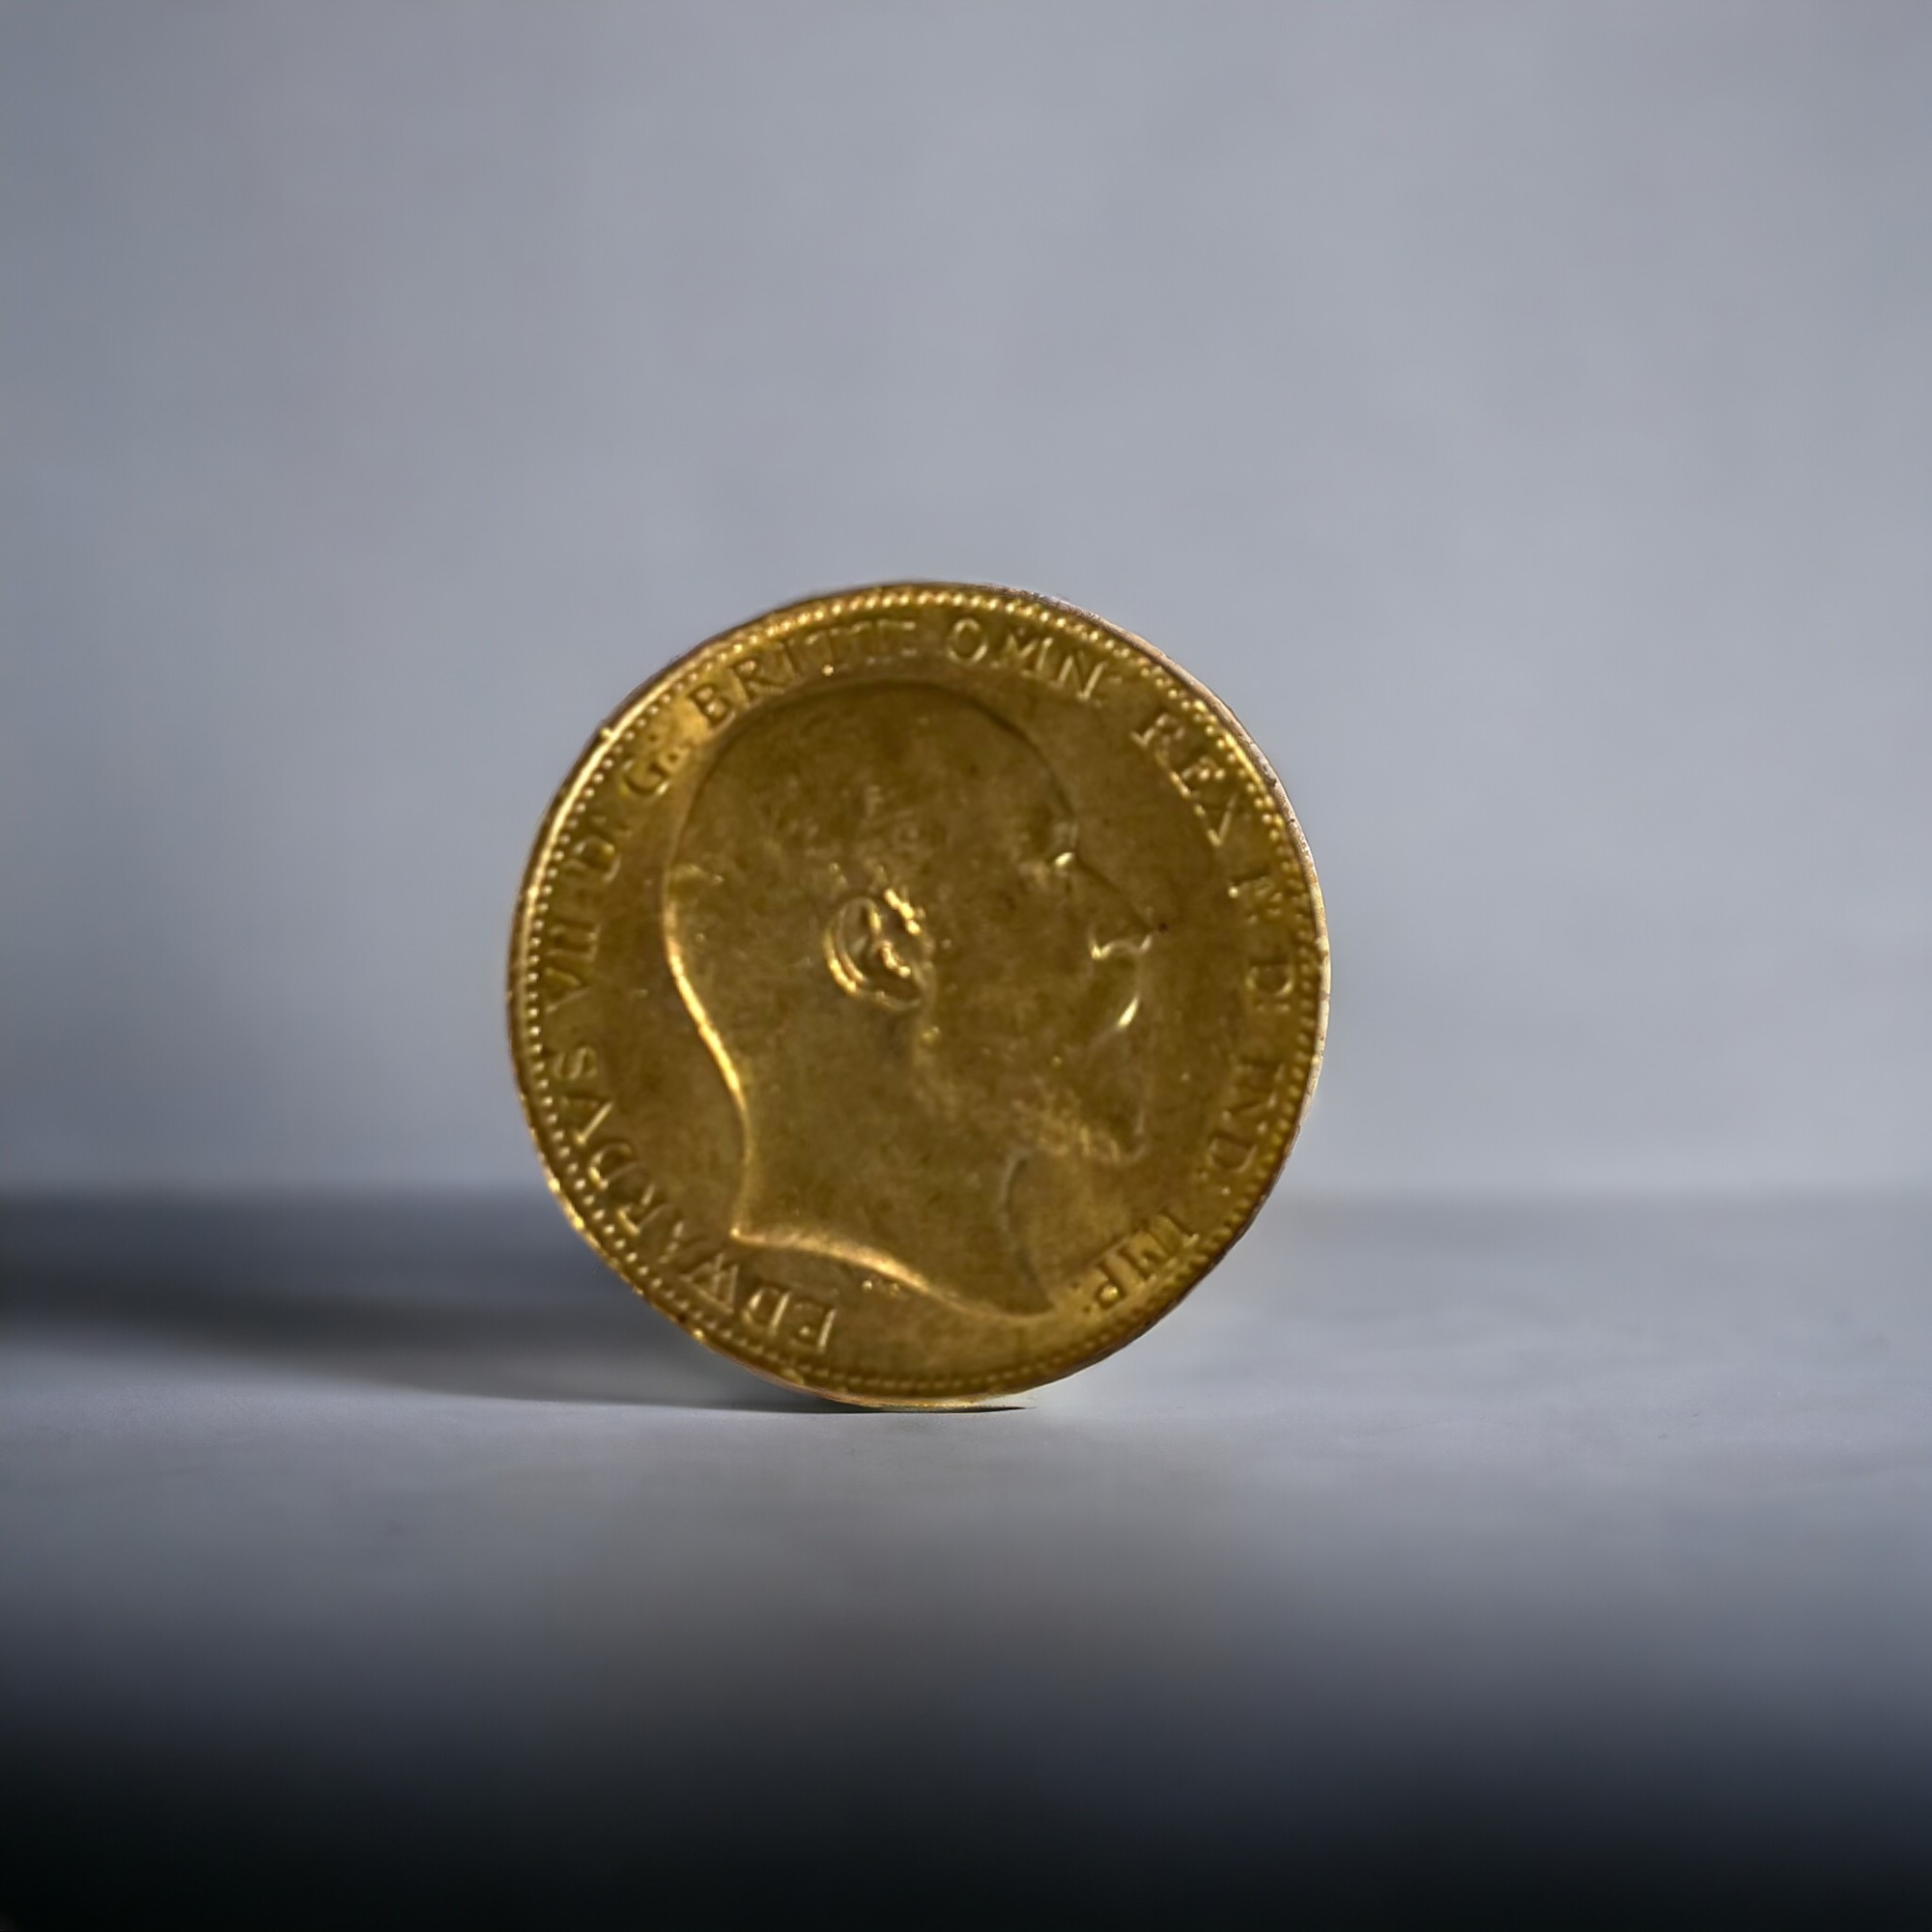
(478, 1295)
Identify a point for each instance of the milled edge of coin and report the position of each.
(534, 1088)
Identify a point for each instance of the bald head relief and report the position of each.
(880, 921)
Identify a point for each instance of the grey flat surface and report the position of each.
(1433, 1563)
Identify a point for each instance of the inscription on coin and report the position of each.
(1031, 650)
(1137, 1261)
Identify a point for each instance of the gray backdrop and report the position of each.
(1521, 414)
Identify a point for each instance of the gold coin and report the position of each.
(913, 991)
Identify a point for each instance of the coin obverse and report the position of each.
(913, 991)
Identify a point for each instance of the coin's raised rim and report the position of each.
(531, 892)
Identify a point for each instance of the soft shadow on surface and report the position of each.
(478, 1295)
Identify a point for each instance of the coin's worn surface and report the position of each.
(913, 991)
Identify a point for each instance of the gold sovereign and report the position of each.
(913, 991)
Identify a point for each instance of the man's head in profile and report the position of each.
(880, 918)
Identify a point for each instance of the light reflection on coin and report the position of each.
(914, 990)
